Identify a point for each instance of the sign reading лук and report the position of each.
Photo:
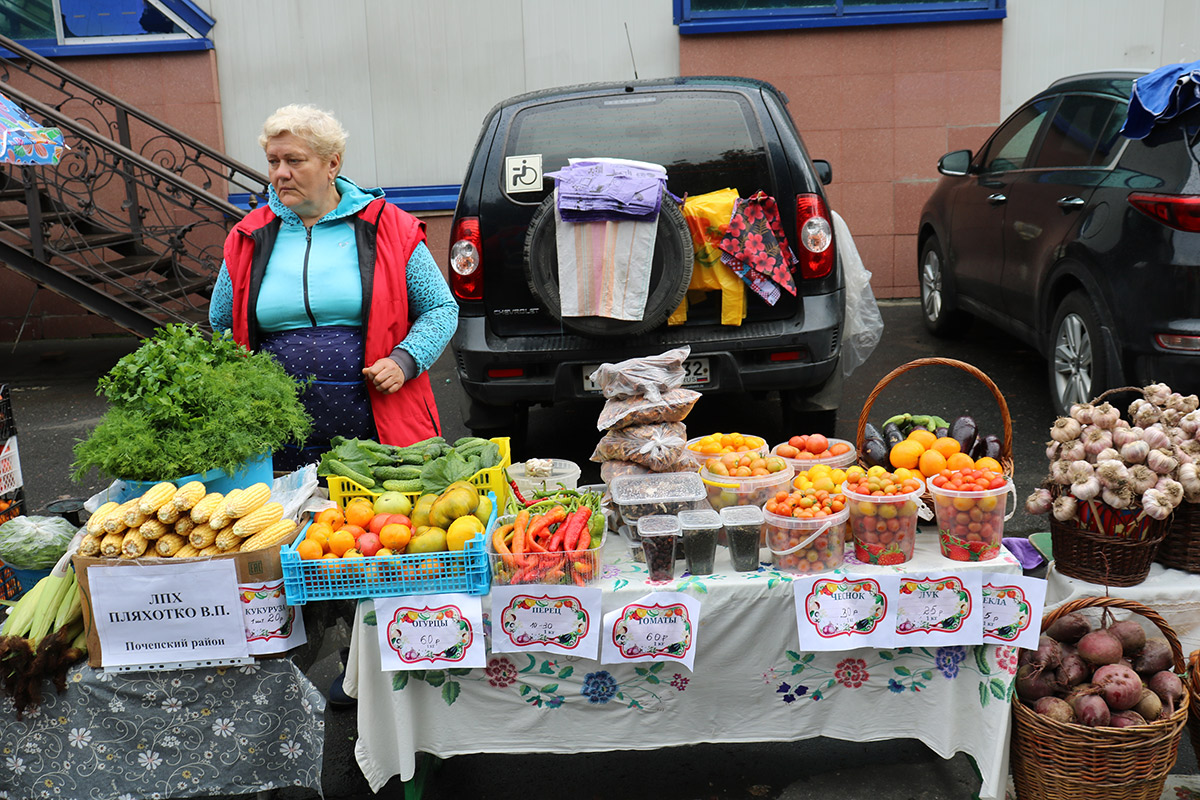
(166, 613)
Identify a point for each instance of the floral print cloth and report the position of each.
(756, 247)
(174, 733)
(751, 683)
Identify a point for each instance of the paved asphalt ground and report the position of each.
(53, 387)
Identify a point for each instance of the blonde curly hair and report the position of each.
(319, 129)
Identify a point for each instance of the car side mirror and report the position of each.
(956, 163)
(824, 171)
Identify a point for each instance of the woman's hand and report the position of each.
(386, 375)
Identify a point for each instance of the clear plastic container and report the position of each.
(807, 545)
(659, 533)
(700, 530)
(744, 528)
(638, 496)
(562, 472)
(801, 464)
(726, 490)
(884, 526)
(698, 458)
(971, 524)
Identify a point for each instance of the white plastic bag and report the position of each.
(864, 325)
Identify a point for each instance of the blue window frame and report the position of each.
(731, 16)
(97, 27)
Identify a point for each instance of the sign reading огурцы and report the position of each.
(165, 613)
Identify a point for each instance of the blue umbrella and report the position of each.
(25, 142)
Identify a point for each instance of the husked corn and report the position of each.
(258, 519)
(134, 516)
(168, 544)
(184, 525)
(220, 516)
(211, 550)
(168, 514)
(206, 506)
(187, 551)
(115, 521)
(89, 545)
(133, 544)
(152, 529)
(188, 495)
(95, 523)
(227, 540)
(271, 535)
(250, 499)
(110, 545)
(202, 536)
(155, 496)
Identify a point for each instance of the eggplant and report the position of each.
(964, 431)
(875, 452)
(892, 435)
(942, 432)
(992, 446)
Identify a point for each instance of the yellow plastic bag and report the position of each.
(707, 217)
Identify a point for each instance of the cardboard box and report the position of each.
(253, 569)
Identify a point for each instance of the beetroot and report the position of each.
(1082, 690)
(1099, 648)
(1130, 634)
(1055, 708)
(1072, 670)
(1169, 688)
(1048, 653)
(1155, 657)
(1120, 686)
(1033, 683)
(1091, 710)
(1124, 719)
(1150, 706)
(1069, 628)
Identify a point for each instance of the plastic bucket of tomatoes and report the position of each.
(971, 507)
(883, 517)
(807, 451)
(804, 545)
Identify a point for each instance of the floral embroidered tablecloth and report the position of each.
(175, 733)
(751, 684)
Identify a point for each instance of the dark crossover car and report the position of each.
(514, 348)
(1075, 239)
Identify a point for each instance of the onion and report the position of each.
(1055, 708)
(1150, 706)
(1155, 657)
(1130, 634)
(1092, 711)
(1119, 685)
(1168, 687)
(1099, 648)
(1069, 628)
(1125, 719)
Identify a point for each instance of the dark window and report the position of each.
(1078, 126)
(718, 16)
(1009, 148)
(706, 140)
(96, 27)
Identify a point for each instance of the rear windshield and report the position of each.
(706, 140)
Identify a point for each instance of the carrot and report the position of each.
(499, 545)
(518, 546)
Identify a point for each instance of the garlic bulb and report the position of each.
(1188, 451)
(1156, 505)
(1105, 416)
(1052, 450)
(1157, 393)
(1086, 489)
(1123, 435)
(1190, 422)
(1072, 450)
(1111, 473)
(1171, 416)
(1082, 412)
(1143, 413)
(1063, 508)
(1060, 472)
(1065, 429)
(1080, 471)
(1108, 454)
(1189, 479)
(1039, 501)
(1156, 436)
(1142, 478)
(1135, 452)
(1162, 462)
(1183, 405)
(1096, 440)
(1120, 497)
(1173, 490)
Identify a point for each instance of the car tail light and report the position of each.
(815, 249)
(1179, 211)
(466, 269)
(1174, 341)
(785, 355)
(506, 372)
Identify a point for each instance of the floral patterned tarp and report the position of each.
(750, 684)
(176, 733)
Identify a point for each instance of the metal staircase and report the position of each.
(130, 223)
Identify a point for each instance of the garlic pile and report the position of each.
(1149, 462)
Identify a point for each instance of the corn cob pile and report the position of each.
(41, 637)
(186, 522)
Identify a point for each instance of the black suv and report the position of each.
(1077, 240)
(514, 349)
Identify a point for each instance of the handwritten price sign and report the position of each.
(946, 606)
(430, 630)
(842, 612)
(1011, 604)
(659, 627)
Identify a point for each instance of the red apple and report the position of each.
(369, 544)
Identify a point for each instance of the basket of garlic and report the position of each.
(1115, 482)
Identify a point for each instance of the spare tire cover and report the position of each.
(671, 272)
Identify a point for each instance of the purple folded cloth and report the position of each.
(1024, 551)
(590, 191)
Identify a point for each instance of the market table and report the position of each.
(750, 684)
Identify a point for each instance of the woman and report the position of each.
(339, 286)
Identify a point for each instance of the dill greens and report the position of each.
(183, 404)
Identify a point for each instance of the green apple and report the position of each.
(393, 503)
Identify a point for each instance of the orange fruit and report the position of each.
(359, 511)
(931, 462)
(946, 446)
(341, 541)
(959, 461)
(309, 549)
(906, 453)
(320, 532)
(926, 438)
(988, 462)
(395, 536)
(332, 517)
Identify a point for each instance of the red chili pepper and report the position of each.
(583, 538)
(542, 522)
(517, 494)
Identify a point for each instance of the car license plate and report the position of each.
(696, 372)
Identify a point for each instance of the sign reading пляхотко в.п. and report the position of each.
(167, 613)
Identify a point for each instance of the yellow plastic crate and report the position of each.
(492, 479)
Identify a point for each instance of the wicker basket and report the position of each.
(1193, 686)
(1064, 761)
(1006, 459)
(1181, 547)
(1103, 559)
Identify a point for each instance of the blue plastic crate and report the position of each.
(465, 571)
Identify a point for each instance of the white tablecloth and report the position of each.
(750, 684)
(1173, 593)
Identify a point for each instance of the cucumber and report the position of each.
(410, 486)
(339, 468)
(401, 473)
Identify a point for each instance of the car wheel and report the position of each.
(671, 272)
(1077, 359)
(937, 308)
